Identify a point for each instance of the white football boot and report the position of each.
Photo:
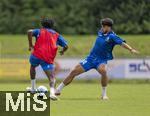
(53, 97)
(30, 90)
(57, 93)
(104, 98)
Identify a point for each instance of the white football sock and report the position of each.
(52, 91)
(33, 84)
(104, 91)
(60, 87)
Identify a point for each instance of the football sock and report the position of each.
(104, 91)
(60, 87)
(33, 84)
(52, 90)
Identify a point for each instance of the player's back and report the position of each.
(46, 45)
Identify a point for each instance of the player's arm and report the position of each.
(30, 33)
(121, 42)
(64, 49)
(128, 47)
(63, 43)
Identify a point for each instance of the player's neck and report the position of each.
(106, 32)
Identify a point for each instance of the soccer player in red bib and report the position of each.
(44, 52)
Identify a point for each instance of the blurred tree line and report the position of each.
(75, 16)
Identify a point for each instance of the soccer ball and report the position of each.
(42, 90)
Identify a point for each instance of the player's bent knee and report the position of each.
(52, 81)
(103, 72)
(74, 72)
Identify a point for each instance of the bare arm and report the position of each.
(30, 40)
(128, 47)
(64, 49)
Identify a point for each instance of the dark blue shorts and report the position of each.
(34, 61)
(88, 64)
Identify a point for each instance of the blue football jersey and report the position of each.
(104, 45)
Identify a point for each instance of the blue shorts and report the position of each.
(34, 61)
(89, 63)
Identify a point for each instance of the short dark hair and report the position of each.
(107, 21)
(47, 23)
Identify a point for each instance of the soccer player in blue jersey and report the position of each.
(98, 57)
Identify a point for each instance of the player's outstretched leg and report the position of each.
(32, 89)
(52, 80)
(102, 70)
(75, 72)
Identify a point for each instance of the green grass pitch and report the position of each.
(79, 46)
(82, 99)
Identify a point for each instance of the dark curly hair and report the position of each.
(107, 21)
(47, 23)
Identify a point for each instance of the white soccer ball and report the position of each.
(42, 90)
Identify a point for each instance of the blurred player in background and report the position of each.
(44, 52)
(98, 57)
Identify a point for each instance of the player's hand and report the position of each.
(133, 51)
(61, 52)
(31, 48)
